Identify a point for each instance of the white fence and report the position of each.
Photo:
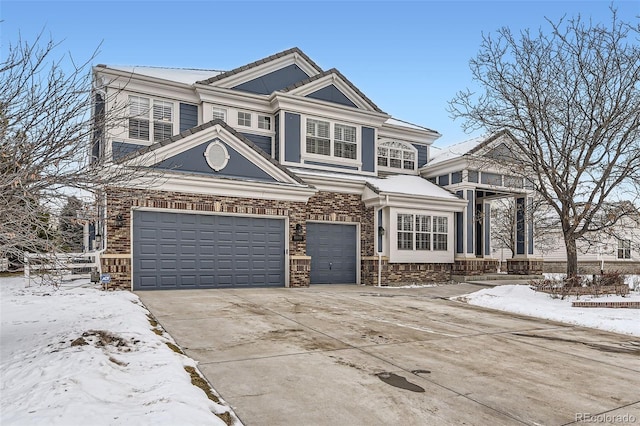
(60, 266)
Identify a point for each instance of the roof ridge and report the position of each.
(260, 62)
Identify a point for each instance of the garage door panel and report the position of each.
(333, 251)
(184, 250)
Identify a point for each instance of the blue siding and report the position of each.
(292, 137)
(263, 142)
(193, 160)
(188, 116)
(121, 149)
(276, 80)
(520, 224)
(368, 150)
(331, 94)
(422, 154)
(470, 207)
(277, 138)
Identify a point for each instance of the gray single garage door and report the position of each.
(333, 251)
(182, 250)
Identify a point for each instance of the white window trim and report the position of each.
(331, 158)
(175, 119)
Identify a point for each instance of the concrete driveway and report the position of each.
(353, 355)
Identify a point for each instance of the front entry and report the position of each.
(333, 251)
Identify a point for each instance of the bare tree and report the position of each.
(503, 217)
(570, 100)
(48, 122)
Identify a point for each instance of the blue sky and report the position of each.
(410, 58)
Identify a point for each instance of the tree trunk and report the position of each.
(572, 259)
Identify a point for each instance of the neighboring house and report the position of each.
(280, 173)
(614, 250)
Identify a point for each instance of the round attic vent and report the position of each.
(217, 156)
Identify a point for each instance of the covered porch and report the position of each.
(466, 170)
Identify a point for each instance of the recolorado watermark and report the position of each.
(606, 418)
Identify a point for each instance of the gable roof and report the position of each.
(468, 147)
(202, 127)
(259, 62)
(333, 71)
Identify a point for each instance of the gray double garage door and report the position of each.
(185, 251)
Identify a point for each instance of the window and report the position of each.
(624, 249)
(162, 120)
(440, 233)
(244, 119)
(397, 155)
(423, 232)
(405, 232)
(264, 122)
(219, 113)
(138, 118)
(139, 121)
(345, 141)
(318, 138)
(428, 232)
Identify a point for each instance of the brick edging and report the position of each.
(630, 305)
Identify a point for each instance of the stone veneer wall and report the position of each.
(324, 206)
(397, 274)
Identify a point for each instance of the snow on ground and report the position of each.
(117, 371)
(521, 299)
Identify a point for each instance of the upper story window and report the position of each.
(325, 138)
(264, 122)
(219, 113)
(397, 155)
(318, 137)
(422, 232)
(244, 119)
(345, 141)
(150, 117)
(624, 249)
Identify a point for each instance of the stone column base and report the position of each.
(524, 266)
(299, 271)
(467, 267)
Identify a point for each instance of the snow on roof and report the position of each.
(400, 123)
(410, 185)
(394, 184)
(180, 75)
(457, 150)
